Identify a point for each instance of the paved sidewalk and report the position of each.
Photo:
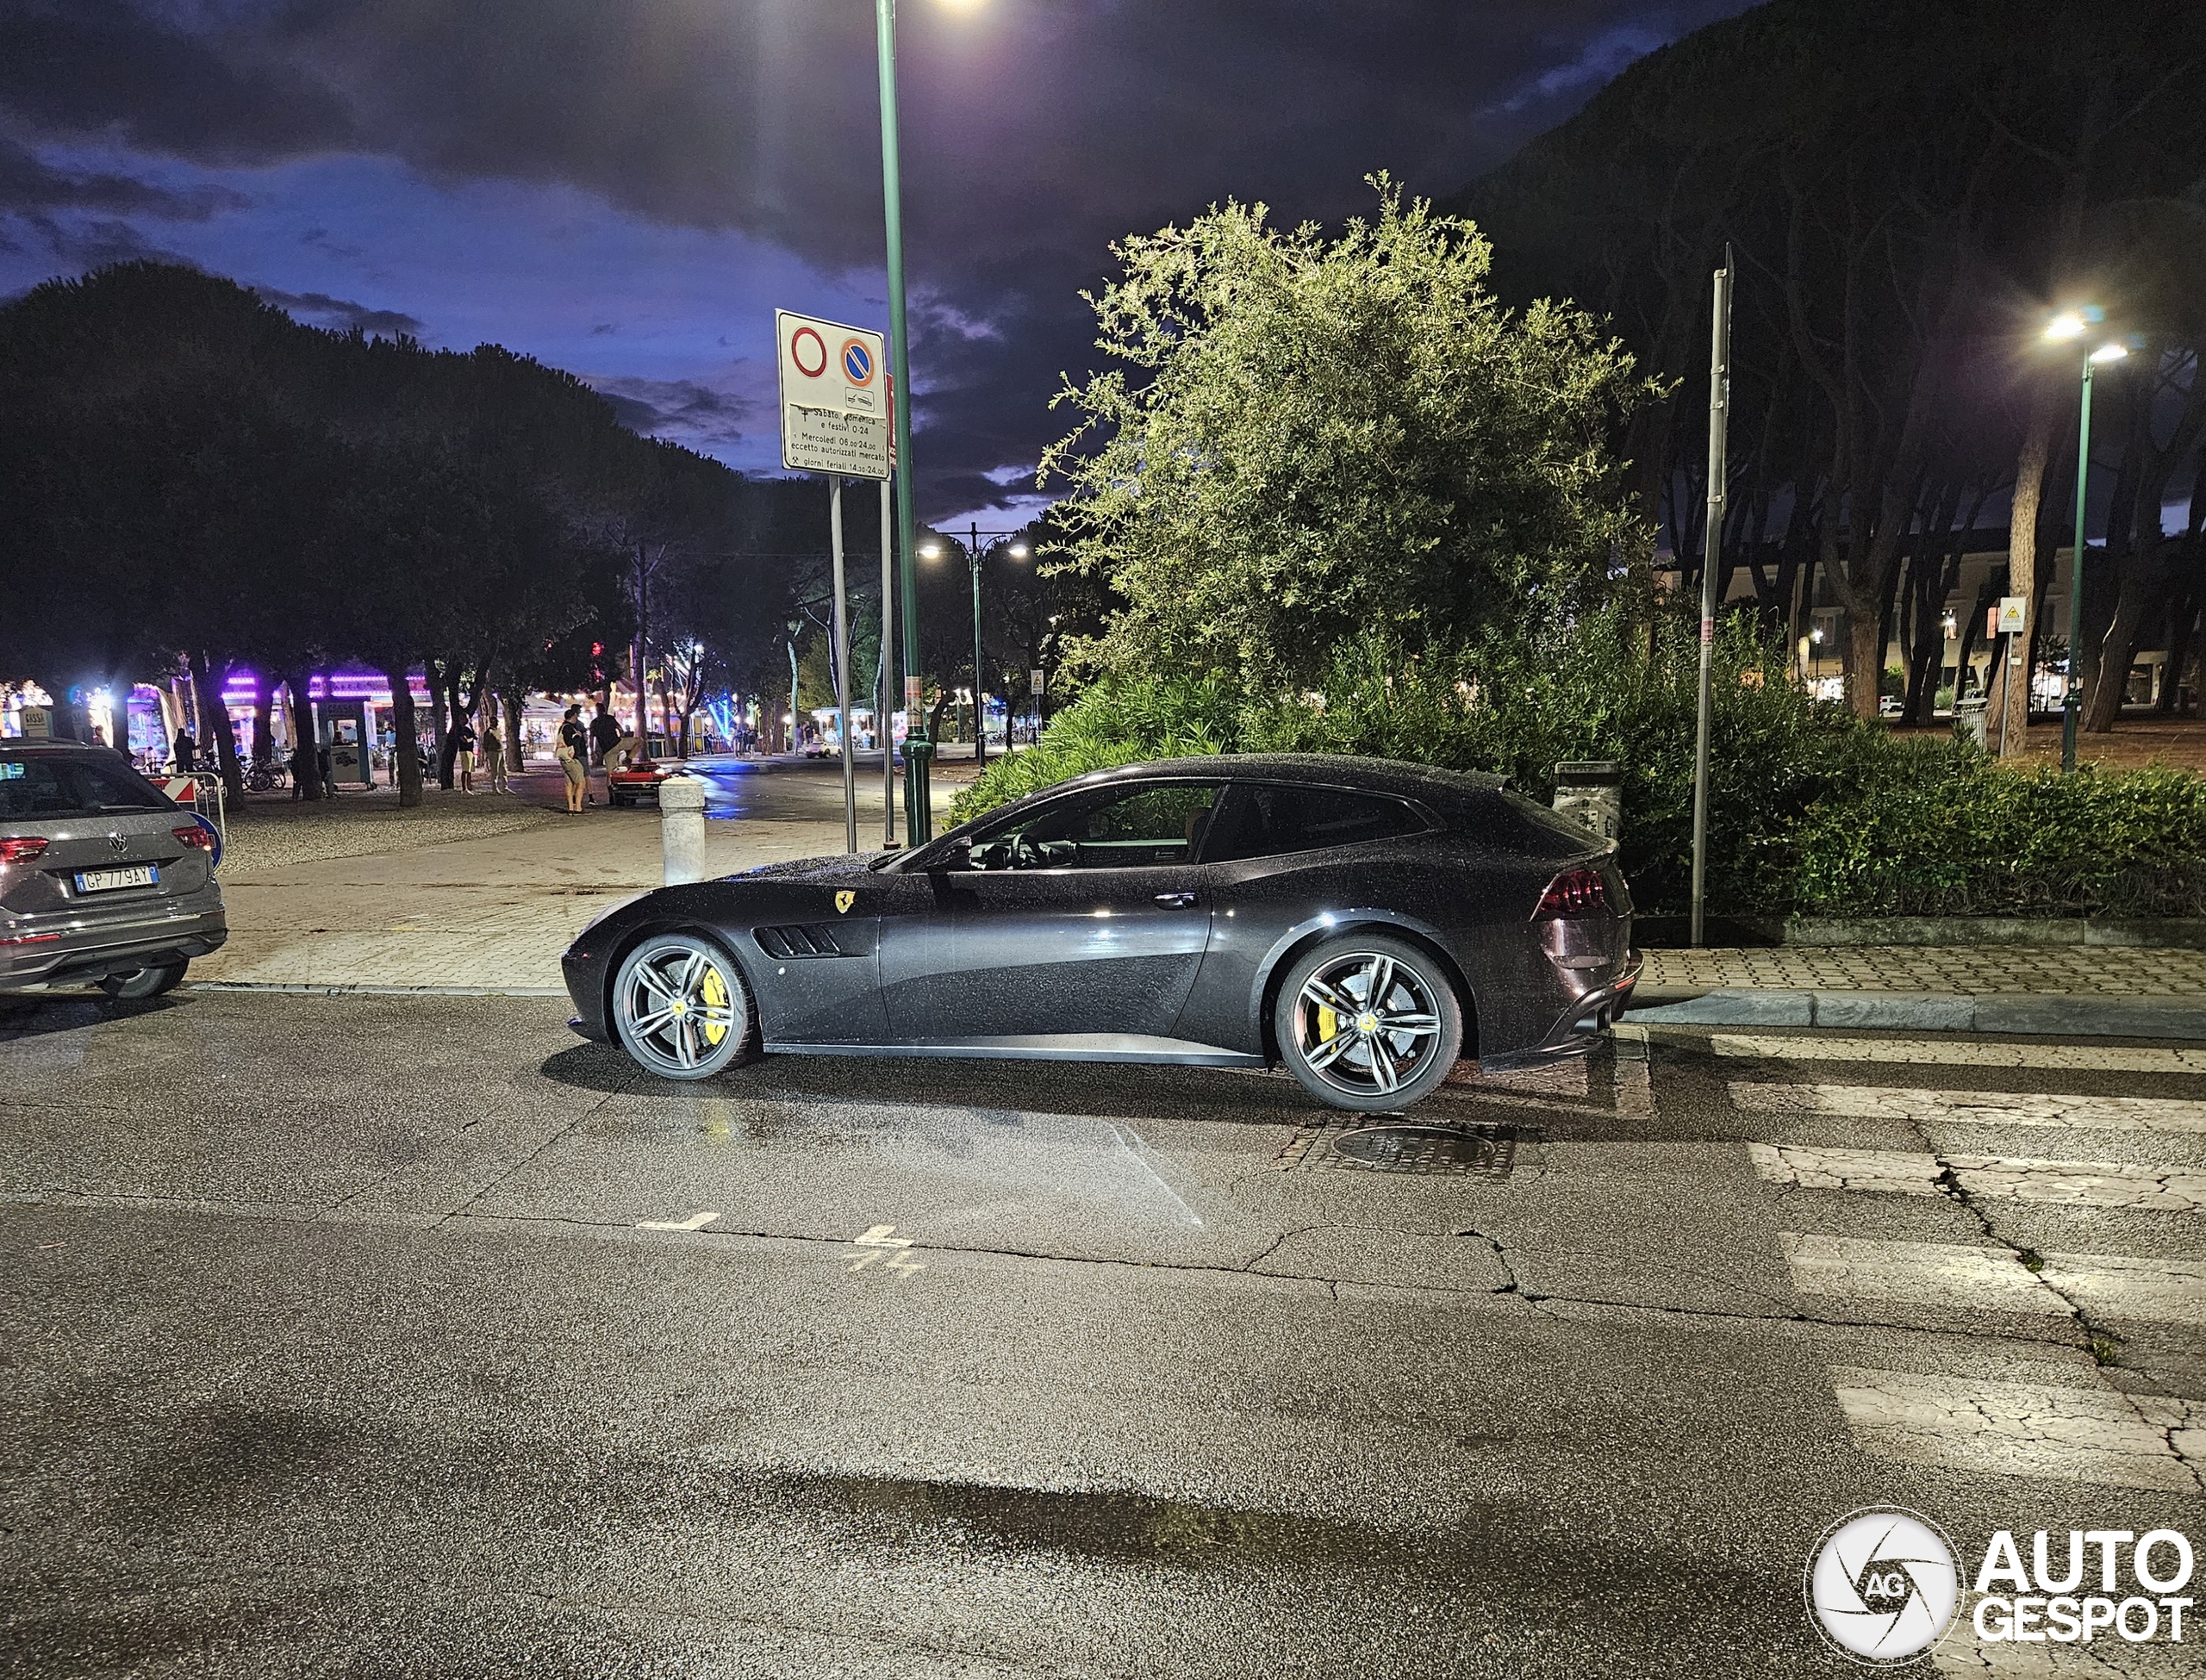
(372, 908)
(1956, 970)
(2079, 990)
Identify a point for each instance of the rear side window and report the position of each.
(56, 785)
(1268, 819)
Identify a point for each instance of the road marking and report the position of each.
(2164, 1291)
(2104, 1058)
(2061, 1433)
(1635, 1090)
(695, 1222)
(2094, 1184)
(1927, 1273)
(1971, 1108)
(878, 1244)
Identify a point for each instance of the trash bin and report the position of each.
(1590, 792)
(1969, 724)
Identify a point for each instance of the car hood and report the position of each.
(838, 867)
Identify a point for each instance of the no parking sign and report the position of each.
(834, 397)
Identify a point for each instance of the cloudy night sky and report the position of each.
(627, 189)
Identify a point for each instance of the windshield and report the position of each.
(56, 785)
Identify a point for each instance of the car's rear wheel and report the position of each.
(680, 1007)
(147, 982)
(1368, 1023)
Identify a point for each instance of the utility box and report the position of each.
(1590, 792)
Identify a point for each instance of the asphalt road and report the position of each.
(413, 1336)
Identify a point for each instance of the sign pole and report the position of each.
(885, 676)
(1719, 400)
(843, 667)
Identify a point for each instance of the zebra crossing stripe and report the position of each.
(1960, 1276)
(2088, 1058)
(2094, 1184)
(1877, 1102)
(1939, 1274)
(2092, 1434)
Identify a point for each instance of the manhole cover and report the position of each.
(1485, 1151)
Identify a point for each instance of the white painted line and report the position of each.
(2066, 1434)
(877, 1243)
(2092, 1184)
(1973, 1107)
(695, 1222)
(2162, 1291)
(1938, 1274)
(1889, 1170)
(1634, 1090)
(1813, 1046)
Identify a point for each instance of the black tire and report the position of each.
(664, 989)
(1374, 1070)
(140, 983)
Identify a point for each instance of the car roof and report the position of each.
(1388, 776)
(26, 743)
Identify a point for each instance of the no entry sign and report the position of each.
(834, 397)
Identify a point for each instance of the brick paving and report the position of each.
(1957, 970)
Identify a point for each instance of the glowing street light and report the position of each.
(2065, 328)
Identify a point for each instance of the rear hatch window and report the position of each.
(46, 786)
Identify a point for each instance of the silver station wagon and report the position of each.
(103, 878)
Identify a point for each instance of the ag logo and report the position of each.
(1883, 1585)
(843, 901)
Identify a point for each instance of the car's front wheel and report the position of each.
(148, 982)
(680, 1007)
(1368, 1023)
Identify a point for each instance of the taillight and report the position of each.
(1577, 892)
(195, 835)
(21, 849)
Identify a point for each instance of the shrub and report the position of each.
(1810, 810)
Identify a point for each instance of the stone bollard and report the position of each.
(1590, 792)
(682, 827)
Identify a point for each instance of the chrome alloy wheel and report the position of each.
(679, 1006)
(1367, 1023)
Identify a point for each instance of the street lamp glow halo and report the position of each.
(2065, 326)
(2110, 353)
(1017, 551)
(930, 550)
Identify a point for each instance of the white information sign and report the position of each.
(2014, 614)
(835, 407)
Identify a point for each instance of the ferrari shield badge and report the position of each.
(843, 901)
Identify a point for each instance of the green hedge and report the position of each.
(1811, 811)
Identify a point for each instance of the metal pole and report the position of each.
(2072, 695)
(885, 677)
(980, 718)
(794, 740)
(918, 809)
(843, 669)
(1719, 399)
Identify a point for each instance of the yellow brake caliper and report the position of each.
(1329, 1025)
(715, 990)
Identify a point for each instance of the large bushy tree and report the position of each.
(1306, 436)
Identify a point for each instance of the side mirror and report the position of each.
(952, 855)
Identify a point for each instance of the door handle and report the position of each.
(1175, 900)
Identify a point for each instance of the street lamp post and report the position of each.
(2073, 325)
(974, 555)
(918, 812)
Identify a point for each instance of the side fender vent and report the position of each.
(814, 940)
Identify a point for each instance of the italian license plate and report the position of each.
(106, 880)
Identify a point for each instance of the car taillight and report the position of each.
(195, 835)
(1577, 892)
(21, 849)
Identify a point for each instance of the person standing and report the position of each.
(494, 759)
(463, 755)
(187, 753)
(573, 753)
(605, 733)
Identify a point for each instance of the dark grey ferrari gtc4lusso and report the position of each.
(1363, 922)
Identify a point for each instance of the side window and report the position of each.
(1152, 825)
(1269, 819)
